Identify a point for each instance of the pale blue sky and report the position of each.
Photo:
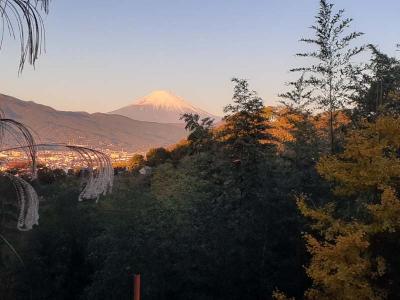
(101, 56)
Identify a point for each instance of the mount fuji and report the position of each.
(97, 130)
(161, 107)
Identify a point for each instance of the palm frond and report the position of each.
(100, 172)
(28, 203)
(99, 179)
(13, 250)
(22, 19)
(23, 136)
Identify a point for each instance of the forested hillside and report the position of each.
(97, 130)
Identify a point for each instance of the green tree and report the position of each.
(157, 156)
(141, 234)
(48, 176)
(136, 162)
(245, 120)
(244, 137)
(332, 77)
(200, 131)
(300, 97)
(380, 92)
(303, 150)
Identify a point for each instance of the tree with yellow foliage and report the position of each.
(355, 240)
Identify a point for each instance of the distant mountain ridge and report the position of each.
(162, 107)
(107, 131)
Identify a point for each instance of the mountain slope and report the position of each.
(161, 107)
(96, 130)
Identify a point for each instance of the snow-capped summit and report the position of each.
(161, 107)
(165, 100)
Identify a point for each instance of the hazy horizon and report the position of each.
(100, 58)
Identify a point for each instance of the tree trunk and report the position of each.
(332, 137)
(331, 116)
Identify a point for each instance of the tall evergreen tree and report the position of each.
(333, 73)
(244, 136)
(245, 121)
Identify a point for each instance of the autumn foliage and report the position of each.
(347, 262)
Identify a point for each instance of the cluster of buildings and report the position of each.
(56, 159)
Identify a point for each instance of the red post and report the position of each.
(136, 287)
